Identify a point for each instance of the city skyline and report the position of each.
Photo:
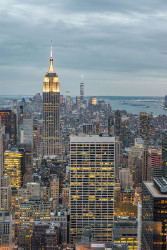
(119, 46)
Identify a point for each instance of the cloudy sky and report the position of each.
(120, 46)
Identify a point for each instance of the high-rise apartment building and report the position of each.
(154, 216)
(144, 126)
(92, 164)
(51, 113)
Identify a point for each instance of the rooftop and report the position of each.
(153, 190)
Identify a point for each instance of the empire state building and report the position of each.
(51, 113)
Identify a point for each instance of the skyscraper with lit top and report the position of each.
(51, 113)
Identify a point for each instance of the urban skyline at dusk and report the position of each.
(119, 46)
(83, 125)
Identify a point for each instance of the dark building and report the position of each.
(165, 104)
(117, 122)
(111, 125)
(8, 118)
(145, 164)
(154, 215)
(45, 235)
(125, 132)
(88, 129)
(164, 154)
(144, 126)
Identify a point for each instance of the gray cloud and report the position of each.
(120, 46)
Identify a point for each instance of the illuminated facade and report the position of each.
(8, 118)
(92, 186)
(51, 113)
(154, 214)
(125, 231)
(144, 126)
(14, 167)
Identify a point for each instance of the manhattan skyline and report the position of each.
(119, 46)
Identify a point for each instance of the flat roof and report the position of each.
(91, 139)
(153, 190)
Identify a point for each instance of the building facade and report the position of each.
(144, 126)
(92, 186)
(51, 113)
(154, 216)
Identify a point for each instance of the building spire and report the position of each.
(51, 69)
(51, 51)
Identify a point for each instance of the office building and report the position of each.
(51, 113)
(92, 186)
(14, 167)
(26, 150)
(125, 178)
(20, 123)
(111, 125)
(68, 98)
(6, 241)
(154, 216)
(93, 100)
(125, 231)
(46, 235)
(54, 189)
(154, 163)
(26, 214)
(1, 157)
(144, 126)
(5, 193)
(117, 122)
(8, 118)
(66, 196)
(145, 164)
(165, 104)
(27, 130)
(88, 129)
(118, 156)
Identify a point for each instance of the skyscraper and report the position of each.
(14, 167)
(154, 216)
(8, 118)
(92, 186)
(82, 91)
(144, 126)
(51, 113)
(164, 154)
(117, 122)
(154, 163)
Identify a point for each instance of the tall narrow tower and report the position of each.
(82, 90)
(51, 112)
